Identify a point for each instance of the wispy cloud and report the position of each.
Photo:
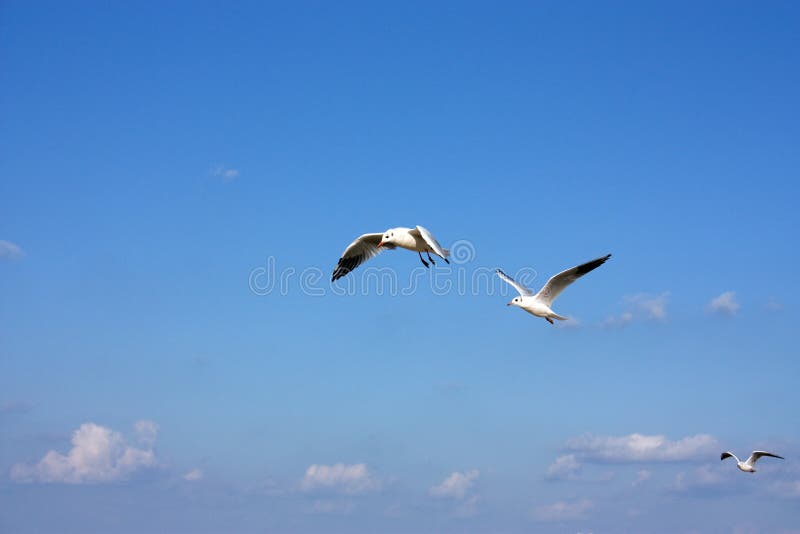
(565, 467)
(641, 306)
(635, 448)
(652, 306)
(194, 475)
(703, 478)
(787, 488)
(642, 476)
(456, 485)
(349, 479)
(467, 507)
(98, 455)
(774, 304)
(562, 511)
(146, 432)
(10, 251)
(226, 174)
(724, 304)
(617, 321)
(573, 323)
(332, 506)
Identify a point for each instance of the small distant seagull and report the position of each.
(365, 247)
(749, 465)
(539, 304)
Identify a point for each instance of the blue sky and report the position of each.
(156, 156)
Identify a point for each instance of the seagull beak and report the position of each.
(510, 303)
(380, 244)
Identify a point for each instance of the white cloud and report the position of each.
(194, 475)
(563, 510)
(565, 467)
(98, 454)
(456, 485)
(640, 306)
(10, 251)
(227, 175)
(349, 479)
(725, 304)
(641, 448)
(652, 306)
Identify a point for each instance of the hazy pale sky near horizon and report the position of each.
(163, 164)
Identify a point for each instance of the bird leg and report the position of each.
(549, 320)
(425, 263)
(430, 259)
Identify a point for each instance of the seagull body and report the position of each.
(417, 239)
(749, 465)
(539, 304)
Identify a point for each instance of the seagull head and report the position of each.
(387, 238)
(516, 301)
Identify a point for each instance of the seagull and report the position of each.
(749, 465)
(366, 246)
(539, 304)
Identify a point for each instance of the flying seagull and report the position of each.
(749, 465)
(539, 304)
(365, 247)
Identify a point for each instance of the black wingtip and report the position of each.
(592, 265)
(345, 266)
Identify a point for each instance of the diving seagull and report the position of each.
(539, 304)
(749, 465)
(367, 246)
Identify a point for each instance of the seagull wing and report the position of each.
(758, 454)
(522, 290)
(553, 288)
(431, 241)
(359, 251)
(727, 454)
